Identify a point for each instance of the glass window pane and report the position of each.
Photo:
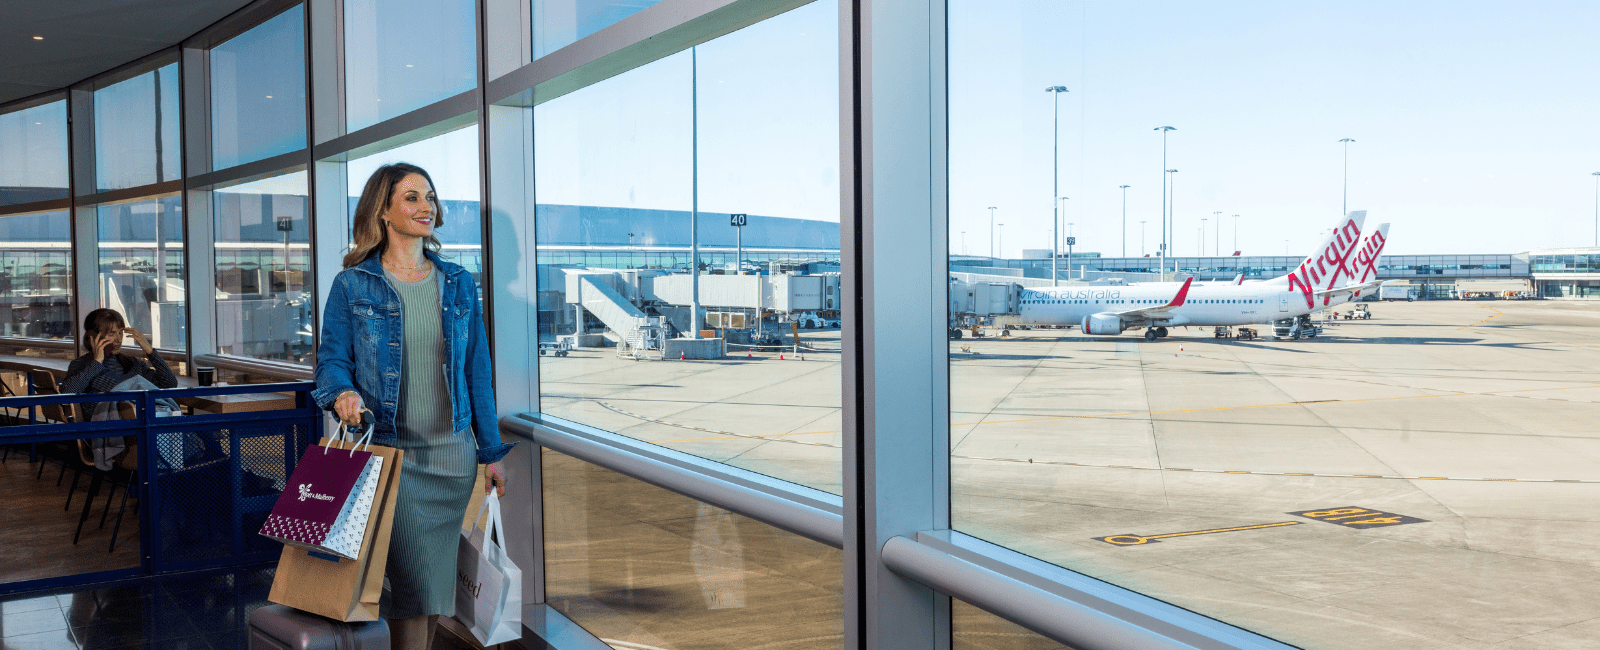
(136, 130)
(975, 629)
(643, 567)
(615, 180)
(558, 23)
(451, 159)
(406, 54)
(1324, 491)
(36, 275)
(33, 154)
(263, 271)
(258, 92)
(142, 270)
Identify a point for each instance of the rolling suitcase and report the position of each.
(276, 627)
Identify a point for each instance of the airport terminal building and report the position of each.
(711, 245)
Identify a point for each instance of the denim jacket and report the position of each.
(361, 350)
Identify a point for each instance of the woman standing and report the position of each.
(403, 337)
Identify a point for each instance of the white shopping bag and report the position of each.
(488, 585)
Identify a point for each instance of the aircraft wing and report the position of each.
(1158, 312)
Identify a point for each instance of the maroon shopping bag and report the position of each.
(322, 488)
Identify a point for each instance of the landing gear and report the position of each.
(1161, 332)
(955, 333)
(1150, 335)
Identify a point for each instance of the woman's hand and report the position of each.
(348, 407)
(138, 337)
(99, 342)
(494, 475)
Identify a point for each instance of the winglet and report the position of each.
(1183, 294)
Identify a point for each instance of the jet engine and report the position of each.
(1104, 324)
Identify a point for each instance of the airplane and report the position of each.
(1108, 311)
(1364, 264)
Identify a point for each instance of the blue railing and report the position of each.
(205, 483)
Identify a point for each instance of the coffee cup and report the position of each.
(205, 376)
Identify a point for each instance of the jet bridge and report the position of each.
(594, 291)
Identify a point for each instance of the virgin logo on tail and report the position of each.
(1365, 263)
(1323, 269)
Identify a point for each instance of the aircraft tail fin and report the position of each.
(1329, 263)
(1238, 279)
(1364, 264)
(1183, 294)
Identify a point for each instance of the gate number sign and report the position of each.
(737, 220)
(1353, 517)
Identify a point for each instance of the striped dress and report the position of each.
(439, 469)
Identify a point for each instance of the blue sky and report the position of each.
(1474, 121)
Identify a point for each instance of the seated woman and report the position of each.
(104, 369)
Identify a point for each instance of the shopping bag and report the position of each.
(488, 584)
(341, 589)
(326, 503)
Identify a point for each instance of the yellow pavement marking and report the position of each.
(1497, 314)
(1133, 540)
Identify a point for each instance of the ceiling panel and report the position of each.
(83, 38)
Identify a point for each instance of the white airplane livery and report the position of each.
(1317, 282)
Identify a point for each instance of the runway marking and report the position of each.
(1135, 540)
(776, 437)
(1497, 314)
(1354, 517)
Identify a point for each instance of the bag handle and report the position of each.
(494, 528)
(343, 433)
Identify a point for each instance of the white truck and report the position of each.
(1395, 292)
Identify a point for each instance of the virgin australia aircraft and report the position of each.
(1316, 283)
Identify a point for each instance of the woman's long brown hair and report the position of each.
(371, 238)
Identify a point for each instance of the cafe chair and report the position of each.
(124, 473)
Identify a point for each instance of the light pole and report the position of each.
(1125, 221)
(1346, 203)
(1061, 203)
(694, 193)
(1141, 238)
(991, 230)
(1216, 245)
(1164, 172)
(1236, 233)
(1070, 242)
(1055, 185)
(1002, 238)
(1172, 223)
(1203, 221)
(1596, 208)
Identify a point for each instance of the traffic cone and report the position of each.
(780, 356)
(1180, 347)
(680, 355)
(749, 355)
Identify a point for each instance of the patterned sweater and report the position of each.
(85, 375)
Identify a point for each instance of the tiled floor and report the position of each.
(202, 610)
(192, 611)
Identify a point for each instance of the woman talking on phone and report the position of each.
(403, 338)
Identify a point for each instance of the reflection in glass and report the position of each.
(258, 101)
(33, 154)
(558, 23)
(615, 180)
(263, 271)
(975, 629)
(142, 269)
(36, 275)
(1389, 483)
(136, 130)
(451, 160)
(642, 567)
(401, 55)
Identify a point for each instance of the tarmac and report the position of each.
(1425, 479)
